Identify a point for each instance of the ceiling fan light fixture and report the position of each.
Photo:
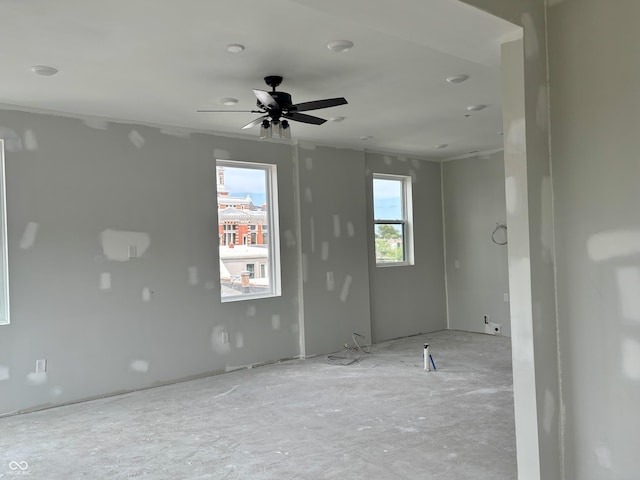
(442, 145)
(235, 48)
(476, 108)
(229, 101)
(44, 70)
(265, 129)
(453, 79)
(337, 119)
(339, 46)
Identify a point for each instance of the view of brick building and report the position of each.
(243, 239)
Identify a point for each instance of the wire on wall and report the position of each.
(499, 226)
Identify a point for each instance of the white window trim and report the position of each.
(273, 234)
(407, 221)
(4, 260)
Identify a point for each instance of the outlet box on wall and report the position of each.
(493, 328)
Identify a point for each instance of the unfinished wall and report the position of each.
(537, 400)
(334, 254)
(595, 106)
(477, 269)
(409, 299)
(105, 322)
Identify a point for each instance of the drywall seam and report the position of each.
(444, 248)
(561, 409)
(298, 217)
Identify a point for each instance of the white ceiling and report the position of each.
(158, 61)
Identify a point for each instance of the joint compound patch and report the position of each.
(629, 288)
(116, 244)
(96, 123)
(239, 340)
(312, 234)
(251, 311)
(193, 276)
(324, 255)
(612, 244)
(137, 139)
(146, 294)
(289, 238)
(105, 281)
(308, 197)
(275, 322)
(30, 141)
(12, 141)
(139, 366)
(309, 163)
(56, 391)
(305, 267)
(221, 154)
(344, 294)
(28, 238)
(218, 343)
(631, 358)
(336, 226)
(4, 373)
(351, 231)
(175, 132)
(35, 379)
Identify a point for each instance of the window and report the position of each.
(251, 270)
(241, 186)
(4, 264)
(392, 218)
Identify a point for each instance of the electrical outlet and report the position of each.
(225, 337)
(41, 365)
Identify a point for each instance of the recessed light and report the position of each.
(476, 108)
(442, 145)
(366, 137)
(500, 132)
(339, 46)
(44, 70)
(235, 48)
(228, 101)
(473, 151)
(458, 78)
(337, 119)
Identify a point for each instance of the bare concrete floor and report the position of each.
(382, 418)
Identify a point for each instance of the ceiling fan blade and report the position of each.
(316, 104)
(266, 99)
(255, 122)
(301, 117)
(217, 111)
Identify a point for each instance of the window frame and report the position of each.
(5, 309)
(406, 222)
(271, 235)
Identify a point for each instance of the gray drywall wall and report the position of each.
(595, 106)
(534, 334)
(477, 268)
(88, 315)
(409, 299)
(334, 254)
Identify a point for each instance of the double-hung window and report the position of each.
(247, 230)
(392, 219)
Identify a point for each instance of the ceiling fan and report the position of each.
(276, 108)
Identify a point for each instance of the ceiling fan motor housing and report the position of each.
(282, 98)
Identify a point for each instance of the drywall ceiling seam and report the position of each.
(561, 413)
(298, 216)
(444, 247)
